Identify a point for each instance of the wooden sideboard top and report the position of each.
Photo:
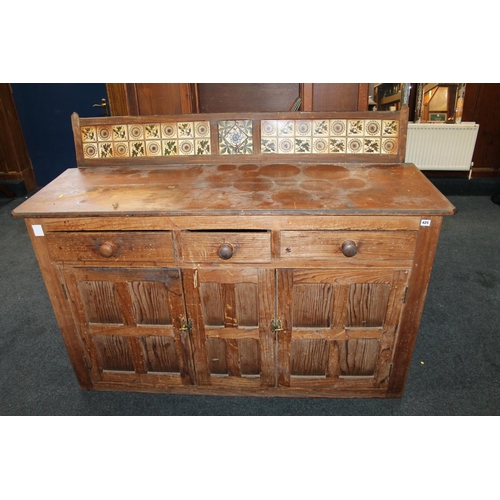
(231, 189)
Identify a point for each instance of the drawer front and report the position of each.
(127, 246)
(220, 247)
(348, 245)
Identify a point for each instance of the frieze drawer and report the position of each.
(348, 245)
(219, 247)
(111, 246)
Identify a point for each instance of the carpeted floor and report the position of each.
(455, 368)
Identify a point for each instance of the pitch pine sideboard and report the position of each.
(259, 254)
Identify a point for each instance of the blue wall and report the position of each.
(45, 110)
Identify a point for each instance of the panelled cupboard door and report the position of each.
(230, 311)
(338, 327)
(131, 322)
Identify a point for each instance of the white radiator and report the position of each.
(433, 146)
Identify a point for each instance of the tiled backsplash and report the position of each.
(324, 136)
(156, 139)
(329, 136)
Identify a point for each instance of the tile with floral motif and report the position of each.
(235, 137)
(88, 134)
(169, 147)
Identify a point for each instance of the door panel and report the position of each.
(132, 323)
(337, 325)
(231, 317)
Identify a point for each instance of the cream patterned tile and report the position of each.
(105, 150)
(389, 146)
(337, 145)
(186, 147)
(320, 128)
(303, 127)
(120, 133)
(121, 149)
(302, 144)
(269, 128)
(201, 129)
(202, 146)
(136, 132)
(152, 131)
(285, 145)
(136, 148)
(104, 133)
(90, 150)
(355, 145)
(153, 148)
(268, 145)
(373, 127)
(390, 128)
(89, 134)
(169, 147)
(355, 127)
(320, 145)
(338, 127)
(185, 130)
(169, 130)
(285, 128)
(371, 145)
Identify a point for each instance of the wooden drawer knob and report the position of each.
(225, 251)
(107, 249)
(349, 248)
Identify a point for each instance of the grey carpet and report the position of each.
(455, 368)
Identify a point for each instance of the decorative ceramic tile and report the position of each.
(329, 136)
(338, 145)
(285, 128)
(269, 128)
(153, 148)
(303, 128)
(135, 132)
(355, 127)
(201, 129)
(90, 150)
(186, 147)
(120, 133)
(302, 144)
(320, 128)
(152, 131)
(89, 134)
(320, 145)
(202, 146)
(338, 127)
(104, 133)
(169, 147)
(105, 149)
(121, 149)
(390, 128)
(169, 131)
(185, 131)
(133, 140)
(355, 145)
(371, 145)
(269, 145)
(389, 146)
(285, 145)
(373, 127)
(235, 137)
(136, 148)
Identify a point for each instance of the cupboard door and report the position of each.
(230, 311)
(338, 326)
(130, 321)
